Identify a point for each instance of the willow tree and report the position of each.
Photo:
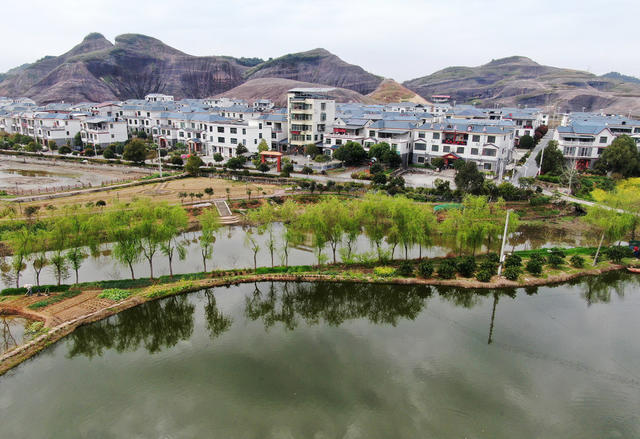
(611, 224)
(407, 222)
(150, 226)
(122, 230)
(292, 233)
(79, 236)
(325, 222)
(39, 249)
(20, 242)
(57, 243)
(428, 226)
(351, 225)
(374, 214)
(210, 224)
(264, 218)
(174, 222)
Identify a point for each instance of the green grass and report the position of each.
(54, 299)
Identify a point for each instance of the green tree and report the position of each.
(209, 223)
(553, 161)
(612, 224)
(468, 179)
(193, 165)
(351, 153)
(218, 157)
(263, 146)
(135, 151)
(292, 234)
(235, 163)
(77, 139)
(526, 142)
(620, 157)
(241, 149)
(20, 242)
(375, 219)
(312, 150)
(122, 230)
(174, 222)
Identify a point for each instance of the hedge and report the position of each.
(35, 289)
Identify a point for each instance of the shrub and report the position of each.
(555, 260)
(538, 257)
(425, 269)
(493, 257)
(512, 272)
(447, 269)
(114, 294)
(539, 201)
(489, 265)
(534, 266)
(617, 253)
(307, 170)
(577, 261)
(467, 266)
(484, 275)
(405, 269)
(513, 260)
(384, 271)
(35, 289)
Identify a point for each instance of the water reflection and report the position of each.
(335, 303)
(11, 332)
(217, 322)
(155, 325)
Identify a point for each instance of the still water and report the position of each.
(301, 360)
(231, 251)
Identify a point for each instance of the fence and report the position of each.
(63, 187)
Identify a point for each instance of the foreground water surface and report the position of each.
(288, 360)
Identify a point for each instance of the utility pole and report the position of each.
(504, 241)
(541, 158)
(159, 161)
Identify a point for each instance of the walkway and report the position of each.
(530, 168)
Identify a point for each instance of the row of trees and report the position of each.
(387, 222)
(138, 231)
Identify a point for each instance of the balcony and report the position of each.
(450, 141)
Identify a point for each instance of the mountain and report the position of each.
(318, 66)
(519, 80)
(276, 90)
(621, 77)
(390, 91)
(97, 70)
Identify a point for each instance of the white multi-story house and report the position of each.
(263, 105)
(56, 127)
(489, 146)
(397, 133)
(583, 144)
(158, 97)
(310, 111)
(103, 131)
(224, 136)
(224, 102)
(279, 129)
(347, 130)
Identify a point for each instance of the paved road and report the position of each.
(530, 168)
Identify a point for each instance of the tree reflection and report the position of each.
(335, 303)
(598, 289)
(154, 325)
(217, 323)
(8, 340)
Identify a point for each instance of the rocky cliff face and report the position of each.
(520, 81)
(319, 67)
(134, 66)
(276, 90)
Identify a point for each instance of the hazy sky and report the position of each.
(401, 39)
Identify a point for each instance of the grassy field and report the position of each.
(164, 191)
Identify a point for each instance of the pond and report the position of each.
(284, 360)
(12, 332)
(231, 251)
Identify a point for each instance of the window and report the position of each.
(259, 135)
(446, 148)
(436, 136)
(420, 147)
(475, 138)
(584, 152)
(244, 131)
(489, 152)
(233, 141)
(113, 136)
(233, 130)
(460, 150)
(491, 139)
(180, 134)
(569, 150)
(220, 139)
(338, 141)
(259, 126)
(603, 139)
(421, 135)
(474, 151)
(420, 159)
(372, 133)
(221, 129)
(434, 148)
(487, 166)
(323, 106)
(273, 135)
(636, 130)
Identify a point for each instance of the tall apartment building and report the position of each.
(310, 112)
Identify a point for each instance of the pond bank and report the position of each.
(64, 317)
